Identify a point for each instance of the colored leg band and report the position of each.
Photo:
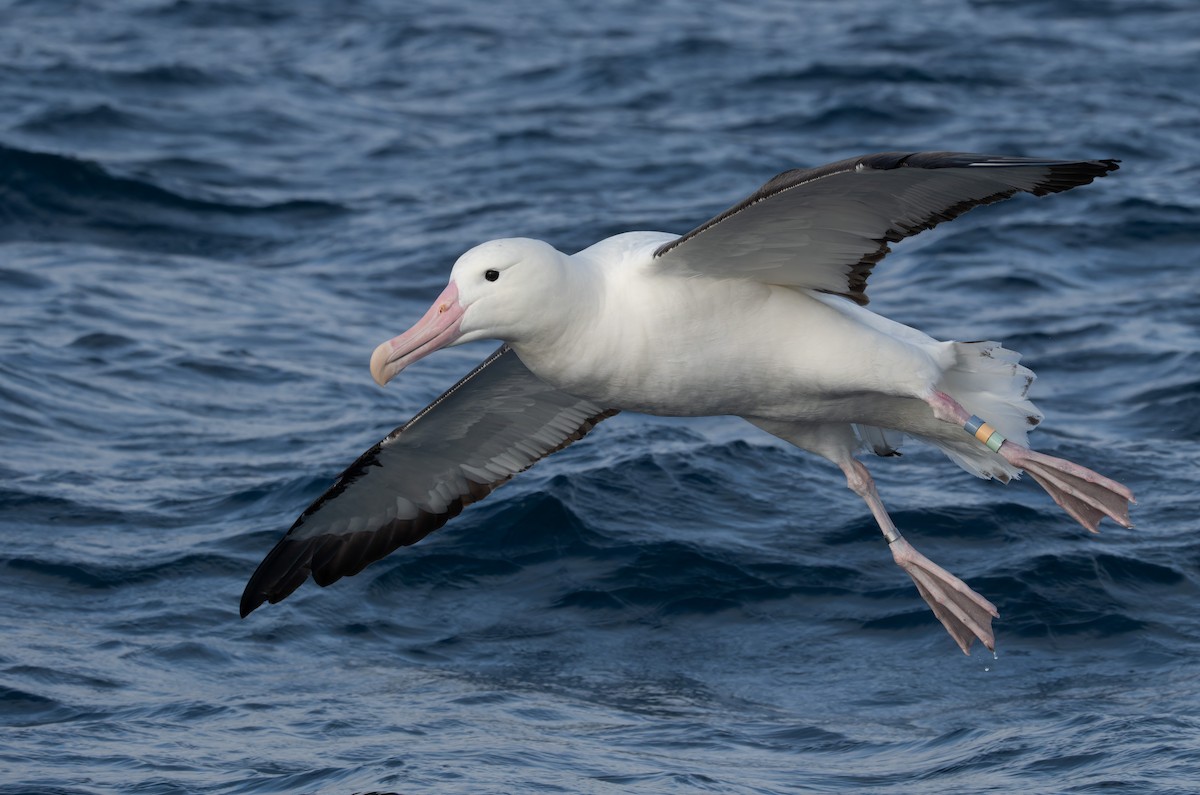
(984, 433)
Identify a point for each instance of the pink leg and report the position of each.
(1086, 495)
(965, 614)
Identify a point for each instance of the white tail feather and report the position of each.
(990, 382)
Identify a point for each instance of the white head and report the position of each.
(504, 289)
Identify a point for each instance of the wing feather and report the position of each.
(497, 421)
(825, 228)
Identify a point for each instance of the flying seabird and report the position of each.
(759, 312)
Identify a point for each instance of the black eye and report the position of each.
(491, 276)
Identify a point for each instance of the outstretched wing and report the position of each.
(494, 423)
(825, 228)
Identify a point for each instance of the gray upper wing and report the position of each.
(497, 421)
(825, 228)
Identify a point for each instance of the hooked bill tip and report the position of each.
(437, 329)
(379, 361)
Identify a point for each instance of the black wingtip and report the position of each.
(1067, 175)
(327, 558)
(249, 604)
(283, 570)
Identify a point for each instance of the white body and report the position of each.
(610, 326)
(648, 342)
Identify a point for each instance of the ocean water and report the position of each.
(212, 211)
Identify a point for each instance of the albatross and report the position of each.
(759, 312)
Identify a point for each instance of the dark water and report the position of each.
(211, 212)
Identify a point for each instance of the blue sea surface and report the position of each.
(212, 211)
